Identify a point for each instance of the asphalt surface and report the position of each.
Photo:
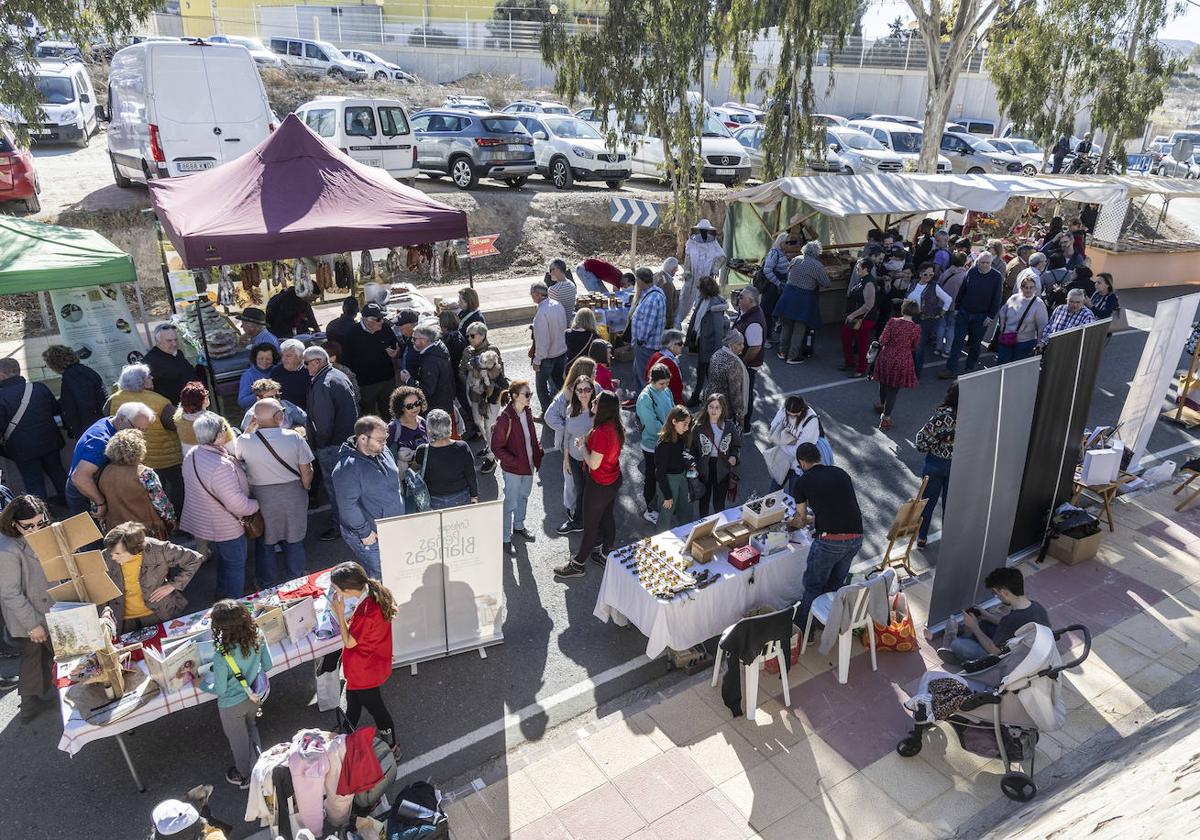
(553, 645)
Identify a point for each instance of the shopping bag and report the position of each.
(329, 690)
(771, 666)
(899, 636)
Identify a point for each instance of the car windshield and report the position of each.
(572, 129)
(1024, 147)
(713, 127)
(55, 90)
(906, 142)
(977, 144)
(503, 125)
(371, 57)
(248, 43)
(856, 140)
(53, 51)
(332, 52)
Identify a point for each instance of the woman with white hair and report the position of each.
(218, 496)
(163, 451)
(799, 308)
(291, 374)
(481, 370)
(447, 465)
(727, 375)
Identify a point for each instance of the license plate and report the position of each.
(39, 132)
(519, 147)
(372, 162)
(726, 172)
(195, 165)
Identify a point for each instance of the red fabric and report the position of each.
(894, 365)
(676, 376)
(360, 767)
(606, 271)
(603, 439)
(855, 344)
(369, 663)
(508, 442)
(604, 377)
(305, 587)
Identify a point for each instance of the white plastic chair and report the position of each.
(773, 650)
(823, 606)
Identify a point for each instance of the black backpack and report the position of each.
(418, 814)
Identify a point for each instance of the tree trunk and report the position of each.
(937, 108)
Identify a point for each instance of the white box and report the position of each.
(1101, 466)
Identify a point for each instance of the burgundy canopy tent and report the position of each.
(294, 196)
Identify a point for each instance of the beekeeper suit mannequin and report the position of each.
(703, 256)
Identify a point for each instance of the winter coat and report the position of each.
(332, 409)
(36, 434)
(671, 363)
(81, 398)
(435, 377)
(127, 499)
(170, 372)
(483, 386)
(365, 353)
(456, 345)
(728, 375)
(703, 449)
(159, 557)
(222, 476)
(708, 325)
(652, 409)
(367, 488)
(24, 591)
(508, 443)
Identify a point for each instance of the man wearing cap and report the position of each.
(371, 353)
(254, 326)
(175, 820)
(410, 357)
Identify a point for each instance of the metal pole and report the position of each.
(137, 291)
(129, 763)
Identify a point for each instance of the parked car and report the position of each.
(894, 118)
(1168, 167)
(1030, 153)
(57, 50)
(1158, 138)
(757, 112)
(734, 118)
(68, 113)
(973, 156)
(18, 172)
(468, 146)
(828, 119)
(468, 103)
(379, 69)
(751, 137)
(587, 115)
(536, 106)
(860, 153)
(316, 58)
(375, 132)
(725, 159)
(904, 140)
(1158, 151)
(176, 108)
(567, 149)
(982, 126)
(262, 56)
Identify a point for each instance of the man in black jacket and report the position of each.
(371, 352)
(28, 432)
(82, 394)
(339, 328)
(169, 367)
(331, 415)
(435, 376)
(979, 298)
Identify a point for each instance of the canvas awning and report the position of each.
(989, 193)
(293, 196)
(36, 257)
(1165, 188)
(848, 195)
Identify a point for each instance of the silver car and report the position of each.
(967, 153)
(467, 146)
(1188, 168)
(751, 138)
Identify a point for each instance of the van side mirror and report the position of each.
(837, 147)
(83, 97)
(539, 135)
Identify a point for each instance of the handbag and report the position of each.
(899, 636)
(414, 490)
(760, 281)
(1008, 338)
(253, 524)
(732, 493)
(258, 690)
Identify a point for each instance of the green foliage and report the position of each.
(527, 10)
(73, 21)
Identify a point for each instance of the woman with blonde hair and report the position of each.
(581, 334)
(132, 491)
(364, 609)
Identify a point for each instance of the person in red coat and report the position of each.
(894, 366)
(515, 445)
(364, 609)
(672, 346)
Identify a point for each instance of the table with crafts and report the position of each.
(698, 614)
(286, 653)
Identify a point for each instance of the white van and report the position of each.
(372, 131)
(177, 107)
(725, 160)
(902, 139)
(68, 103)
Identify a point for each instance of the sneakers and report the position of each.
(597, 557)
(524, 534)
(570, 570)
(949, 657)
(650, 516)
(781, 355)
(947, 374)
(488, 466)
(510, 550)
(795, 361)
(885, 424)
(236, 779)
(570, 527)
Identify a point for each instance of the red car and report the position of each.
(18, 175)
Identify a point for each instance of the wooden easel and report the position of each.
(110, 663)
(904, 529)
(1181, 414)
(85, 573)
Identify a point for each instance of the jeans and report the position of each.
(701, 375)
(516, 496)
(549, 379)
(968, 327)
(650, 484)
(366, 555)
(930, 329)
(1020, 350)
(294, 561)
(966, 648)
(231, 566)
(945, 335)
(462, 497)
(76, 502)
(855, 343)
(327, 457)
(641, 358)
(828, 564)
(938, 471)
(753, 378)
(31, 470)
(590, 281)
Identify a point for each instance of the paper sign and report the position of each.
(183, 286)
(410, 554)
(96, 323)
(482, 246)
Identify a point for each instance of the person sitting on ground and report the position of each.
(141, 566)
(989, 630)
(175, 820)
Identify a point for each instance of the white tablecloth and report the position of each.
(688, 619)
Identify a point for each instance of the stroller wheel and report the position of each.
(1018, 787)
(910, 746)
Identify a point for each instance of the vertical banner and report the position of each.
(992, 434)
(96, 323)
(1160, 356)
(474, 578)
(410, 553)
(1069, 366)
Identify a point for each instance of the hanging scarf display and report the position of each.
(449, 258)
(324, 278)
(304, 282)
(226, 295)
(366, 267)
(394, 264)
(343, 271)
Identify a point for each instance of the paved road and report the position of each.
(557, 660)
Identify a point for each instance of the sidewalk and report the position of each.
(678, 766)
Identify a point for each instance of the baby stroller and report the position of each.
(1000, 703)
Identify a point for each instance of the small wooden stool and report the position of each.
(1105, 492)
(1195, 473)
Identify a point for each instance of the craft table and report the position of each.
(1106, 493)
(286, 655)
(694, 616)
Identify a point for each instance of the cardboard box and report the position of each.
(1073, 551)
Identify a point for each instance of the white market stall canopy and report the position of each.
(989, 193)
(1165, 188)
(848, 195)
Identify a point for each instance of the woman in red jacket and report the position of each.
(602, 455)
(364, 609)
(515, 444)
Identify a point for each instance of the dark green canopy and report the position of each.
(36, 257)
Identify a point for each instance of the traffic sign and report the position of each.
(1138, 164)
(482, 246)
(631, 211)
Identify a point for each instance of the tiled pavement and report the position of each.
(679, 766)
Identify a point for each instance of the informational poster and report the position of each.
(96, 323)
(474, 575)
(410, 553)
(1160, 357)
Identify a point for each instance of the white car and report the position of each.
(860, 153)
(895, 118)
(734, 118)
(828, 119)
(588, 115)
(725, 160)
(567, 149)
(316, 58)
(751, 137)
(758, 113)
(904, 140)
(378, 68)
(68, 110)
(536, 106)
(1030, 154)
(973, 156)
(468, 103)
(262, 56)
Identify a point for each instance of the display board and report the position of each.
(474, 575)
(1069, 366)
(1160, 357)
(96, 323)
(990, 440)
(410, 556)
